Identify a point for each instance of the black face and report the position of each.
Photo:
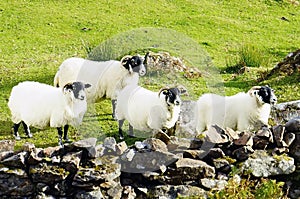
(134, 62)
(77, 89)
(172, 96)
(266, 94)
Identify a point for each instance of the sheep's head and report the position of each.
(134, 64)
(263, 94)
(76, 90)
(171, 96)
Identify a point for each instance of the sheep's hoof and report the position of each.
(17, 136)
(29, 135)
(67, 140)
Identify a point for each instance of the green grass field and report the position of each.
(36, 36)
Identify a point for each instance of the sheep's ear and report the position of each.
(182, 90)
(87, 85)
(125, 60)
(68, 88)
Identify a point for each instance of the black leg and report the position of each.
(60, 133)
(121, 122)
(15, 129)
(114, 104)
(130, 131)
(27, 130)
(66, 138)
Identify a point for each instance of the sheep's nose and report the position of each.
(177, 102)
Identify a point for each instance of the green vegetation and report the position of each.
(36, 36)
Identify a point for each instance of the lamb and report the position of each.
(243, 111)
(41, 105)
(107, 77)
(146, 110)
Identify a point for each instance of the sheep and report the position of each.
(108, 77)
(41, 105)
(243, 111)
(146, 110)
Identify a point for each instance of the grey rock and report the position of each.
(16, 161)
(173, 192)
(6, 154)
(7, 145)
(47, 173)
(15, 183)
(278, 132)
(214, 184)
(71, 161)
(110, 144)
(94, 194)
(283, 112)
(293, 125)
(261, 164)
(86, 143)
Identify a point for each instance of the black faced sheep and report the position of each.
(243, 111)
(146, 110)
(41, 105)
(107, 77)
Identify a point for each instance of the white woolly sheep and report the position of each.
(243, 111)
(146, 110)
(107, 77)
(41, 105)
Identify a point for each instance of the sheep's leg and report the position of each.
(121, 122)
(15, 129)
(66, 138)
(130, 132)
(114, 104)
(27, 130)
(60, 133)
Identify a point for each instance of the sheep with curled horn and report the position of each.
(146, 110)
(243, 111)
(108, 77)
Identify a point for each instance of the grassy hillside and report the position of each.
(36, 36)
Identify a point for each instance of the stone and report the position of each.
(86, 143)
(214, 184)
(29, 147)
(154, 144)
(245, 139)
(6, 154)
(217, 135)
(176, 191)
(35, 156)
(16, 161)
(293, 125)
(71, 161)
(261, 164)
(295, 148)
(7, 145)
(110, 144)
(284, 112)
(187, 169)
(94, 194)
(128, 192)
(265, 133)
(148, 160)
(15, 183)
(121, 148)
(278, 132)
(233, 135)
(46, 173)
(242, 153)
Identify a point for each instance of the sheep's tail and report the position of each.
(56, 79)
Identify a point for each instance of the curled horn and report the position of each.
(253, 89)
(163, 89)
(125, 59)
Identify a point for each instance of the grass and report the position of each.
(36, 36)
